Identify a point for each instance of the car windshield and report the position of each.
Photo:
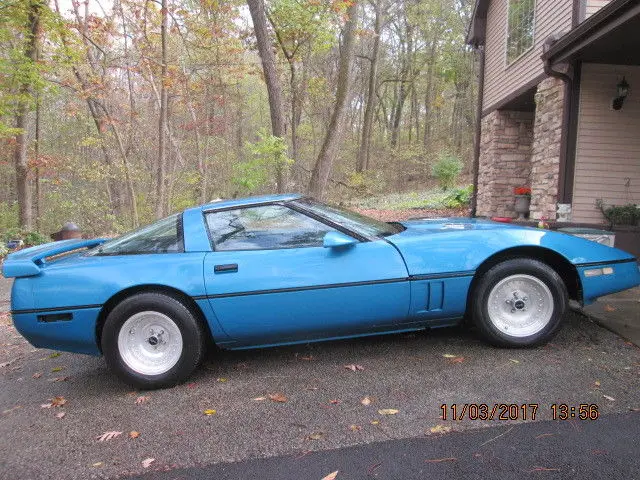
(163, 236)
(361, 224)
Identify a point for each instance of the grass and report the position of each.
(429, 199)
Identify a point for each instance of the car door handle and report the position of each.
(228, 268)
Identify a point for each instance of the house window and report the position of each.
(520, 28)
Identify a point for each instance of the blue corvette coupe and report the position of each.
(287, 269)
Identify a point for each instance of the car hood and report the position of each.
(455, 224)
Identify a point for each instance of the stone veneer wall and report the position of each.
(547, 137)
(505, 160)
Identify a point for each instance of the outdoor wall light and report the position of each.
(623, 92)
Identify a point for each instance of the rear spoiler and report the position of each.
(29, 261)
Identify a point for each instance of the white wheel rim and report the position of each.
(150, 343)
(520, 305)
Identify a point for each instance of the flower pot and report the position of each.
(521, 205)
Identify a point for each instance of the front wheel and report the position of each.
(152, 340)
(519, 303)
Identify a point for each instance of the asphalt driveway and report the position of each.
(411, 373)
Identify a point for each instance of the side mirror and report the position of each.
(337, 239)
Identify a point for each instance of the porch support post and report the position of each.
(549, 147)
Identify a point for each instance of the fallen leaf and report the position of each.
(596, 384)
(633, 409)
(59, 379)
(97, 464)
(133, 434)
(611, 399)
(375, 422)
(448, 355)
(331, 476)
(210, 412)
(106, 436)
(438, 460)
(457, 360)
(311, 389)
(142, 399)
(440, 429)
(36, 375)
(609, 308)
(278, 397)
(366, 401)
(9, 410)
(222, 380)
(335, 402)
(259, 399)
(57, 369)
(307, 358)
(146, 463)
(315, 436)
(55, 355)
(354, 368)
(60, 415)
(355, 428)
(514, 361)
(54, 402)
(192, 385)
(387, 411)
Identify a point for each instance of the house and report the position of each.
(559, 107)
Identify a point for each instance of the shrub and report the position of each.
(29, 238)
(447, 170)
(460, 197)
(620, 214)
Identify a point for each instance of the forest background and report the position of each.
(114, 113)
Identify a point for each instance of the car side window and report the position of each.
(164, 236)
(264, 228)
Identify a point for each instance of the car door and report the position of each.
(270, 279)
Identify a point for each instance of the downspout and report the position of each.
(566, 119)
(478, 133)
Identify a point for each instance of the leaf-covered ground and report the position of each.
(65, 416)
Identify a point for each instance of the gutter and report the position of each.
(478, 133)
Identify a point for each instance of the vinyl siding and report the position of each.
(593, 6)
(608, 143)
(552, 17)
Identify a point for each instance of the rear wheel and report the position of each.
(519, 303)
(152, 340)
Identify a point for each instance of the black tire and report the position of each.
(191, 333)
(508, 269)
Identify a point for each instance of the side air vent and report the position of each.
(55, 317)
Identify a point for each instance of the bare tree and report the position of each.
(365, 144)
(274, 89)
(23, 186)
(161, 173)
(324, 163)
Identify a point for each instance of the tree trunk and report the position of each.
(161, 181)
(427, 96)
(324, 163)
(365, 143)
(20, 157)
(274, 90)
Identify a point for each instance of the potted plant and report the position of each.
(522, 202)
